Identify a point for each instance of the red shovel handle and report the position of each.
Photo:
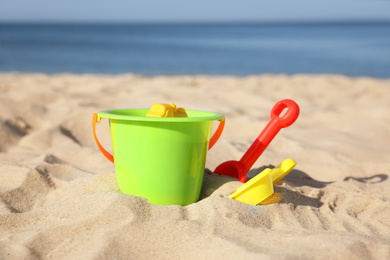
(270, 131)
(289, 117)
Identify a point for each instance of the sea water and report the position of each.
(353, 49)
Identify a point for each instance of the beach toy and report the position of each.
(160, 158)
(239, 169)
(259, 189)
(165, 110)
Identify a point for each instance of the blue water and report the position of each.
(353, 49)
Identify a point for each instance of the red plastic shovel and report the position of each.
(239, 169)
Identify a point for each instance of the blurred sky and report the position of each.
(192, 11)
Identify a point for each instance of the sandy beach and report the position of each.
(59, 198)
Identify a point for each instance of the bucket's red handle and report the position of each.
(217, 133)
(109, 156)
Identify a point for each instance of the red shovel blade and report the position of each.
(233, 169)
(239, 169)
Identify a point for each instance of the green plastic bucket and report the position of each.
(160, 158)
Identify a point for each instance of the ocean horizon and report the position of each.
(239, 49)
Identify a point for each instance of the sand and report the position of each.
(59, 198)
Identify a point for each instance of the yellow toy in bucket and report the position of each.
(165, 110)
(259, 189)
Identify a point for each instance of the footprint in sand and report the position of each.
(34, 189)
(11, 130)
